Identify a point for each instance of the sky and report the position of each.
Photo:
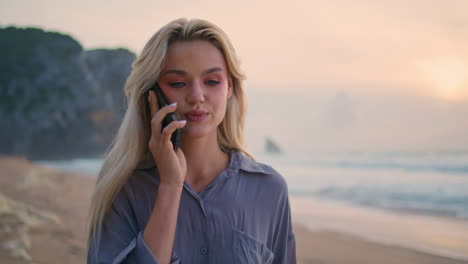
(417, 46)
(412, 51)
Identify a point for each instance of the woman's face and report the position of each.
(195, 76)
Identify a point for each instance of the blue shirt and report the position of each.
(242, 216)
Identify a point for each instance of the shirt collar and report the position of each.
(247, 164)
(239, 161)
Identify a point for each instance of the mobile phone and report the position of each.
(162, 101)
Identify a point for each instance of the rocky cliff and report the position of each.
(58, 101)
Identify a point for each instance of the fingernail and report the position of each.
(173, 104)
(183, 121)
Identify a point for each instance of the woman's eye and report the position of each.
(212, 82)
(177, 84)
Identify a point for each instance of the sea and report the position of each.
(433, 183)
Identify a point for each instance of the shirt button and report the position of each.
(203, 250)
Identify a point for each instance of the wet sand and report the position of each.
(325, 247)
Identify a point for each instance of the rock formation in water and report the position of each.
(271, 147)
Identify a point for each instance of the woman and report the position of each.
(206, 202)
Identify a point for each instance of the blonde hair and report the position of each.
(130, 145)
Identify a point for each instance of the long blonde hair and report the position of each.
(130, 145)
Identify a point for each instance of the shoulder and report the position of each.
(141, 183)
(145, 174)
(265, 174)
(135, 198)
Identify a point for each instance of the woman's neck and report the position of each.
(205, 160)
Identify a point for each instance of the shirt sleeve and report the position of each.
(285, 240)
(121, 242)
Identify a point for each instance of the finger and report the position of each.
(181, 156)
(156, 121)
(169, 129)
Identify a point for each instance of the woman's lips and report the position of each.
(196, 115)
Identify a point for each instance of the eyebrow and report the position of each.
(182, 72)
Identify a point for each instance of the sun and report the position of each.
(447, 77)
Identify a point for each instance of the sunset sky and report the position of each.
(401, 48)
(417, 46)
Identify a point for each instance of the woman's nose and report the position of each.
(195, 94)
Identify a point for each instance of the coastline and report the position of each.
(43, 213)
(428, 234)
(341, 248)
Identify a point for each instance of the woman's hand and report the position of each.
(171, 165)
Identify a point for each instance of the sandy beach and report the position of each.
(331, 247)
(42, 213)
(43, 220)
